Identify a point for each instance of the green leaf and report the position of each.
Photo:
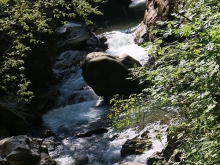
(215, 70)
(210, 107)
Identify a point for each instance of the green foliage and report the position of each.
(127, 112)
(24, 24)
(186, 79)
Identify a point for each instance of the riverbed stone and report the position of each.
(72, 36)
(81, 160)
(108, 75)
(172, 145)
(137, 145)
(96, 131)
(23, 150)
(47, 133)
(156, 158)
(16, 117)
(45, 101)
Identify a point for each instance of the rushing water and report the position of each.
(120, 43)
(80, 110)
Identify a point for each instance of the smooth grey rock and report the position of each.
(108, 75)
(23, 150)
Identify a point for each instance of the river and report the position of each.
(80, 110)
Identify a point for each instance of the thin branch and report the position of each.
(182, 15)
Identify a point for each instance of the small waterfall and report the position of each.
(123, 43)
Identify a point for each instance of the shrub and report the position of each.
(24, 24)
(186, 79)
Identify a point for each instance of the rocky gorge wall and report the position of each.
(155, 10)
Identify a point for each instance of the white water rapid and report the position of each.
(123, 43)
(80, 110)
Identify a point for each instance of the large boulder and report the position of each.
(137, 145)
(46, 101)
(16, 118)
(12, 120)
(107, 75)
(72, 36)
(79, 36)
(22, 150)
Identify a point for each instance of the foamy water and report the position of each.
(122, 43)
(70, 119)
(137, 5)
(80, 110)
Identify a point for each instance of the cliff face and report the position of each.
(155, 10)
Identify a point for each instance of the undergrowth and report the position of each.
(185, 78)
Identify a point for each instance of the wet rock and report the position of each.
(76, 98)
(47, 133)
(68, 63)
(103, 45)
(81, 96)
(46, 159)
(107, 75)
(93, 132)
(150, 61)
(45, 101)
(68, 59)
(172, 144)
(92, 43)
(141, 34)
(72, 36)
(16, 117)
(136, 146)
(96, 43)
(4, 132)
(12, 120)
(156, 158)
(113, 137)
(81, 160)
(22, 150)
(144, 135)
(49, 143)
